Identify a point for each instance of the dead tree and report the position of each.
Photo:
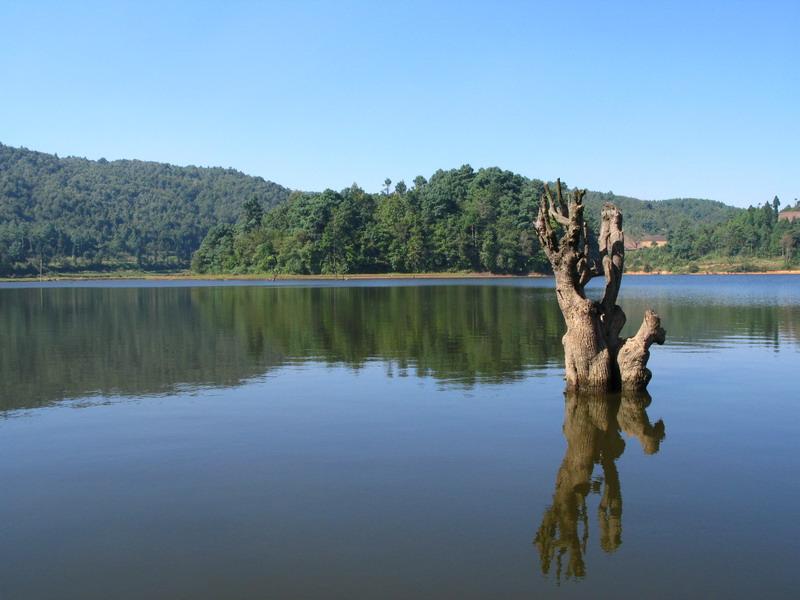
(596, 357)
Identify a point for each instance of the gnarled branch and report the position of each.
(635, 352)
(612, 253)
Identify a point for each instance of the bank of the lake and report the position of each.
(257, 277)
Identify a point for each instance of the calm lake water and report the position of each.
(392, 440)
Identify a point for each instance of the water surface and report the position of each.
(392, 439)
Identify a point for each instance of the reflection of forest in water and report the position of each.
(72, 342)
(592, 428)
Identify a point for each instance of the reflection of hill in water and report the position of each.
(66, 343)
(73, 342)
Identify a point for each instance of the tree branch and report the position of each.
(635, 352)
(545, 231)
(575, 223)
(612, 254)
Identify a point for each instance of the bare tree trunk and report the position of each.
(596, 359)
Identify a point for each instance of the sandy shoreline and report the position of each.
(261, 277)
(776, 272)
(358, 276)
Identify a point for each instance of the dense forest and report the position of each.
(73, 213)
(461, 219)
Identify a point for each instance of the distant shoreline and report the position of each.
(183, 276)
(775, 272)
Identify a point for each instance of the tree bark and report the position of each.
(596, 358)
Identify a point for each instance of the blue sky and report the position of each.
(651, 99)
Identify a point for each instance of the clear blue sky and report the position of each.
(651, 99)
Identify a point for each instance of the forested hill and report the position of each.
(647, 217)
(74, 213)
(462, 219)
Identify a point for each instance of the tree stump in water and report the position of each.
(596, 358)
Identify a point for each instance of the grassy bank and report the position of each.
(659, 262)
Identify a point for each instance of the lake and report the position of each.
(392, 439)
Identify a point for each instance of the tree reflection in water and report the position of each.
(592, 427)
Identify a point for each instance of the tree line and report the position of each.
(73, 214)
(459, 220)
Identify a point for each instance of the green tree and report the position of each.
(252, 213)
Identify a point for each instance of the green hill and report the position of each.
(74, 213)
(645, 217)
